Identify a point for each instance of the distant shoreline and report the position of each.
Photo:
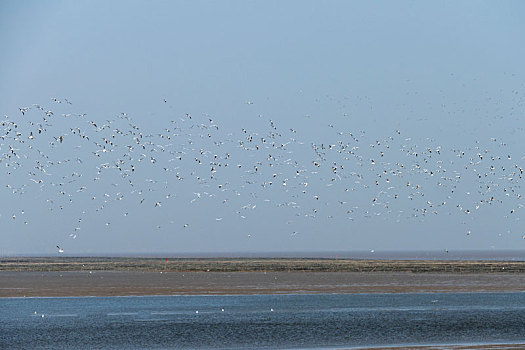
(62, 277)
(257, 265)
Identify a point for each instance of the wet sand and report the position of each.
(258, 264)
(111, 276)
(125, 283)
(451, 347)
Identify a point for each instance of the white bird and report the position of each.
(60, 250)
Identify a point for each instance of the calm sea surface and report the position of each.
(261, 321)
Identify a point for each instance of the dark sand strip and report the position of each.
(258, 264)
(123, 283)
(452, 347)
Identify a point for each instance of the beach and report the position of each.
(69, 276)
(33, 278)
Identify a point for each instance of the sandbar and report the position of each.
(124, 276)
(127, 283)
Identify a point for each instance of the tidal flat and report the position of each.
(61, 277)
(258, 265)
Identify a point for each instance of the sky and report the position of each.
(174, 127)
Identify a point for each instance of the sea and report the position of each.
(287, 321)
(491, 254)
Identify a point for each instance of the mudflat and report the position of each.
(452, 347)
(98, 276)
(124, 283)
(258, 264)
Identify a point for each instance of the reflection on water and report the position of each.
(263, 321)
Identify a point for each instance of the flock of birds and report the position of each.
(195, 174)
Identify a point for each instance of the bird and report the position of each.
(372, 177)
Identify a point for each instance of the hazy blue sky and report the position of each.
(419, 107)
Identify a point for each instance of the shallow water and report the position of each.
(261, 321)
